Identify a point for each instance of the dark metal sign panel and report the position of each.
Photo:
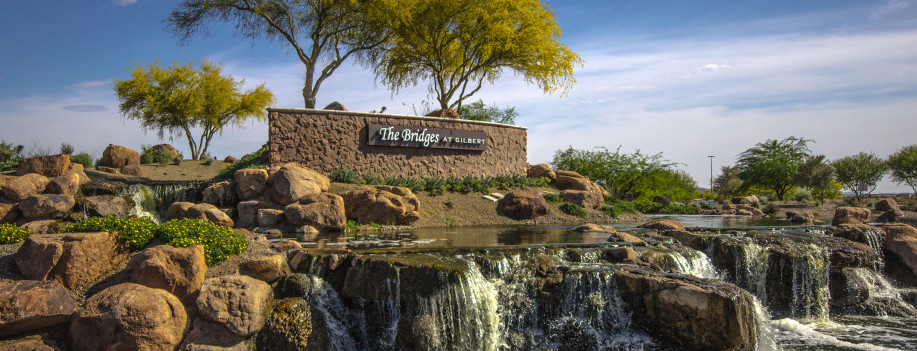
(420, 137)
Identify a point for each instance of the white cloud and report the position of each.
(125, 2)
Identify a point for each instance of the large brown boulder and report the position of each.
(586, 199)
(293, 181)
(178, 270)
(19, 188)
(901, 241)
(48, 166)
(27, 305)
(220, 194)
(247, 213)
(240, 303)
(851, 215)
(46, 206)
(42, 342)
(267, 268)
(117, 156)
(541, 170)
(381, 204)
(133, 170)
(663, 225)
(204, 212)
(67, 184)
(9, 213)
(892, 215)
(323, 211)
(76, 168)
(886, 204)
(806, 217)
(522, 205)
(250, 183)
(212, 336)
(73, 259)
(570, 180)
(129, 317)
(106, 206)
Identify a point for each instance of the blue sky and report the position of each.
(685, 78)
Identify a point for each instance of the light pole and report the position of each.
(711, 172)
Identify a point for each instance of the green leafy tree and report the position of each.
(903, 166)
(322, 33)
(728, 183)
(181, 99)
(773, 164)
(818, 176)
(674, 184)
(10, 156)
(860, 173)
(458, 44)
(625, 176)
(478, 111)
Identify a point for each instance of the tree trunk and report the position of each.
(308, 96)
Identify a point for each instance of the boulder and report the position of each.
(250, 183)
(177, 210)
(860, 233)
(129, 317)
(72, 259)
(240, 303)
(133, 170)
(48, 166)
(267, 268)
(230, 159)
(852, 215)
(594, 228)
(166, 148)
(67, 184)
(901, 241)
(381, 204)
(178, 270)
(663, 225)
(9, 213)
(106, 205)
(447, 113)
(31, 343)
(117, 156)
(325, 211)
(27, 305)
(586, 199)
(269, 217)
(108, 169)
(205, 212)
(662, 200)
(211, 336)
(247, 212)
(522, 205)
(285, 245)
(46, 206)
(624, 254)
(19, 188)
(801, 217)
(541, 170)
(622, 237)
(289, 327)
(335, 106)
(293, 181)
(102, 187)
(570, 180)
(892, 215)
(76, 168)
(44, 226)
(689, 239)
(886, 204)
(220, 194)
(709, 316)
(747, 200)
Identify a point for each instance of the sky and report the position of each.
(689, 79)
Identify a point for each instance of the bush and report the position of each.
(772, 209)
(614, 207)
(257, 159)
(552, 198)
(573, 210)
(66, 149)
(10, 233)
(10, 156)
(343, 175)
(83, 159)
(136, 232)
(219, 242)
(650, 207)
(153, 154)
(802, 195)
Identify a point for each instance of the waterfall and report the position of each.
(810, 283)
(167, 193)
(751, 269)
(694, 263)
(144, 202)
(874, 240)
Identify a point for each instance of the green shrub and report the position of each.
(219, 242)
(10, 233)
(771, 209)
(802, 195)
(136, 232)
(573, 210)
(153, 154)
(66, 149)
(83, 159)
(343, 175)
(552, 198)
(10, 156)
(650, 207)
(614, 207)
(373, 179)
(257, 159)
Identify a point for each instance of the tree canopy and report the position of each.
(773, 164)
(860, 173)
(817, 175)
(478, 111)
(322, 33)
(182, 99)
(728, 183)
(625, 176)
(458, 44)
(903, 166)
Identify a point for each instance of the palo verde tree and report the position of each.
(818, 176)
(182, 100)
(903, 166)
(625, 176)
(773, 164)
(458, 44)
(478, 111)
(860, 173)
(322, 33)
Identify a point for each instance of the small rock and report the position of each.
(230, 159)
(285, 245)
(623, 237)
(594, 228)
(586, 199)
(663, 225)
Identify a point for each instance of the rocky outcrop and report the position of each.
(205, 212)
(129, 317)
(117, 156)
(325, 211)
(106, 206)
(46, 206)
(850, 215)
(28, 305)
(220, 194)
(886, 204)
(541, 170)
(901, 241)
(178, 270)
(267, 268)
(19, 188)
(522, 205)
(292, 182)
(381, 204)
(250, 183)
(663, 225)
(289, 327)
(586, 199)
(48, 166)
(239, 303)
(72, 259)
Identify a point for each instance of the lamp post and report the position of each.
(711, 172)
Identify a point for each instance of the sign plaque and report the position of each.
(422, 137)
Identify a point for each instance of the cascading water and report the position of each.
(810, 284)
(144, 202)
(694, 263)
(152, 200)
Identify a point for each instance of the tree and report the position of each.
(903, 165)
(458, 44)
(477, 111)
(322, 33)
(817, 176)
(728, 183)
(773, 164)
(179, 99)
(860, 173)
(626, 176)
